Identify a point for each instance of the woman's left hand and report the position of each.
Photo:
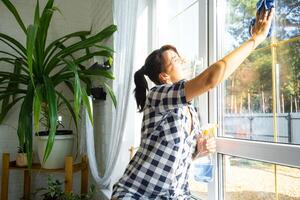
(205, 146)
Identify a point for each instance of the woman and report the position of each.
(170, 128)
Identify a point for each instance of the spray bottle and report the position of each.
(203, 165)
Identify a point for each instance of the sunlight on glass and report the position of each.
(262, 98)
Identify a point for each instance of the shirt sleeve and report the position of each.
(168, 96)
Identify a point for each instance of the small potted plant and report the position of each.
(54, 192)
(21, 157)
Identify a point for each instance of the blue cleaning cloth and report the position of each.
(267, 4)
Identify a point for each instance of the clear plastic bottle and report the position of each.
(203, 166)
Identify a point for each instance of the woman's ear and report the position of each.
(164, 77)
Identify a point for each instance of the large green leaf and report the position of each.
(55, 44)
(14, 42)
(52, 112)
(76, 87)
(105, 48)
(9, 54)
(61, 71)
(98, 72)
(6, 93)
(25, 124)
(59, 78)
(13, 47)
(38, 53)
(14, 11)
(37, 107)
(31, 37)
(5, 82)
(88, 83)
(21, 61)
(7, 60)
(111, 94)
(17, 70)
(107, 32)
(87, 50)
(86, 57)
(37, 13)
(84, 75)
(86, 103)
(45, 22)
(11, 76)
(10, 86)
(13, 62)
(7, 107)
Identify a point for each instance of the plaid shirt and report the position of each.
(159, 169)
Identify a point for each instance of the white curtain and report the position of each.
(125, 17)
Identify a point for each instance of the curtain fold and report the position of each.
(125, 17)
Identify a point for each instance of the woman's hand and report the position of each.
(262, 25)
(205, 146)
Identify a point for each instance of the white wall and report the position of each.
(76, 16)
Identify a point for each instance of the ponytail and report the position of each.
(141, 87)
(154, 65)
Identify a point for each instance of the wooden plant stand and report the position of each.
(69, 170)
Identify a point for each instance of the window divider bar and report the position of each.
(261, 151)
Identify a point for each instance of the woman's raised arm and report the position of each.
(223, 68)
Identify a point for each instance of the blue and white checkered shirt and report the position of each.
(159, 169)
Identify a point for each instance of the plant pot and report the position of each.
(21, 159)
(62, 147)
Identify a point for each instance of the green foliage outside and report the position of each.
(255, 74)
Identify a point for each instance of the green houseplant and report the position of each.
(54, 192)
(39, 67)
(21, 157)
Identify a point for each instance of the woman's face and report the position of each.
(174, 65)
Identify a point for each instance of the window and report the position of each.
(259, 105)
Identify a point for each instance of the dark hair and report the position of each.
(153, 66)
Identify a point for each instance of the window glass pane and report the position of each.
(248, 179)
(261, 99)
(180, 29)
(178, 24)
